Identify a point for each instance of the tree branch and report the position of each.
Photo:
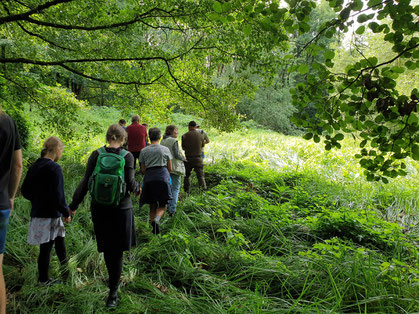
(108, 81)
(101, 27)
(43, 38)
(377, 66)
(38, 9)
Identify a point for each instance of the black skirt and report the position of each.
(114, 228)
(156, 186)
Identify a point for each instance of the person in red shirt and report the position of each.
(137, 135)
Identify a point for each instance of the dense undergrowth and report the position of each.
(283, 227)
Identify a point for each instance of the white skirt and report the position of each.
(43, 230)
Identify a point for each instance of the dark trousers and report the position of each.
(113, 261)
(136, 157)
(194, 163)
(44, 256)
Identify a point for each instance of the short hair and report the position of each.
(192, 124)
(51, 145)
(122, 121)
(170, 129)
(116, 133)
(135, 118)
(154, 134)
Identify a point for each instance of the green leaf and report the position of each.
(373, 3)
(415, 152)
(357, 5)
(247, 29)
(303, 68)
(339, 137)
(364, 17)
(363, 143)
(217, 6)
(360, 30)
(329, 54)
(308, 136)
(373, 61)
(373, 26)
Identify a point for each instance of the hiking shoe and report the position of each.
(112, 300)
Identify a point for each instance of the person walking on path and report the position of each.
(44, 187)
(156, 166)
(10, 173)
(123, 123)
(113, 225)
(178, 167)
(137, 135)
(192, 143)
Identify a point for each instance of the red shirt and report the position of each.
(137, 135)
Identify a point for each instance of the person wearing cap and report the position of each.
(192, 143)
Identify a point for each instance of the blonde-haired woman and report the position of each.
(44, 187)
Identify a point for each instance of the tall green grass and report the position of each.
(284, 227)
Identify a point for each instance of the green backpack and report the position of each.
(107, 183)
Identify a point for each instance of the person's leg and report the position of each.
(161, 209)
(62, 255)
(4, 222)
(153, 213)
(60, 250)
(186, 180)
(2, 288)
(43, 260)
(113, 261)
(136, 156)
(176, 180)
(199, 169)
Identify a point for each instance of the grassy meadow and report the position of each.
(284, 227)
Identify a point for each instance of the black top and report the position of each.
(44, 187)
(129, 171)
(9, 142)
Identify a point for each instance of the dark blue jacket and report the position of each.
(44, 187)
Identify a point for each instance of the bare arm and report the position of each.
(15, 175)
(143, 168)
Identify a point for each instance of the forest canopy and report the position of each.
(203, 56)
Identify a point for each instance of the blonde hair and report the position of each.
(51, 145)
(116, 133)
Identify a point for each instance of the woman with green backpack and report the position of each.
(109, 177)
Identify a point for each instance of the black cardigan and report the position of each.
(129, 171)
(44, 187)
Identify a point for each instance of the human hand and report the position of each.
(67, 219)
(138, 193)
(12, 203)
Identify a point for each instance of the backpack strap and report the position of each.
(123, 153)
(101, 150)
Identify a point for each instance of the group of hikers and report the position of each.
(110, 179)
